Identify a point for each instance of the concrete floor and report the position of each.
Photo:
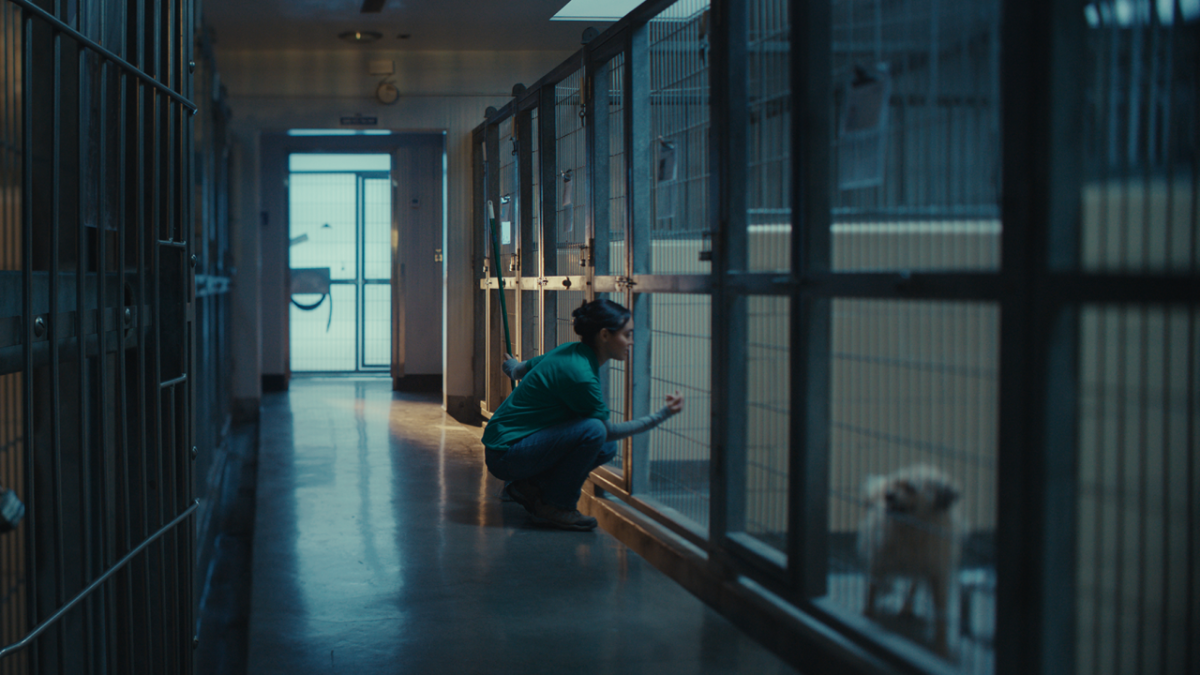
(380, 547)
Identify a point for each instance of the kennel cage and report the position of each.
(114, 380)
(865, 236)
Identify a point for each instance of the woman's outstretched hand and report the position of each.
(675, 402)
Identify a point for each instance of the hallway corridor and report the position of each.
(380, 547)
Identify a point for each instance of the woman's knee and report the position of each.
(593, 432)
(608, 452)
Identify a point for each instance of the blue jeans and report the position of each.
(557, 459)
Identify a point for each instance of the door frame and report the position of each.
(275, 147)
(359, 281)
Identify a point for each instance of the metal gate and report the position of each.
(881, 251)
(97, 291)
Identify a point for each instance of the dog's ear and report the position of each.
(944, 496)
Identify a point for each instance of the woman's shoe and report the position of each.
(525, 493)
(563, 518)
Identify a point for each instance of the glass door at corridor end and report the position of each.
(339, 229)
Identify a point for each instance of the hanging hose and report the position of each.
(312, 281)
(309, 308)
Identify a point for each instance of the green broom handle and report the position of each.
(499, 276)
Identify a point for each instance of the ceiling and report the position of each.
(434, 25)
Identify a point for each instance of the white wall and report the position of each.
(448, 91)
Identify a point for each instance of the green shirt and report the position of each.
(562, 384)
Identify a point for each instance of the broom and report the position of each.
(499, 276)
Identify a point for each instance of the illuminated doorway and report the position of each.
(339, 232)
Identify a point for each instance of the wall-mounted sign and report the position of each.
(360, 121)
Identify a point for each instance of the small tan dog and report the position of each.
(912, 530)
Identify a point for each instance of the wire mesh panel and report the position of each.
(767, 412)
(565, 302)
(1142, 136)
(610, 235)
(768, 181)
(680, 451)
(571, 190)
(680, 114)
(509, 203)
(377, 229)
(916, 155)
(535, 205)
(377, 326)
(1136, 596)
(612, 381)
(508, 220)
(532, 336)
(913, 393)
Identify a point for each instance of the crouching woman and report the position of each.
(554, 429)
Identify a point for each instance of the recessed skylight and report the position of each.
(595, 10)
(338, 132)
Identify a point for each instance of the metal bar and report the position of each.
(808, 536)
(588, 106)
(52, 332)
(529, 250)
(728, 180)
(596, 143)
(159, 218)
(123, 443)
(1115, 638)
(81, 167)
(491, 167)
(188, 133)
(547, 233)
(32, 494)
(360, 241)
(10, 431)
(96, 47)
(144, 229)
(86, 592)
(106, 458)
(1192, 624)
(639, 245)
(139, 583)
(1035, 611)
(170, 559)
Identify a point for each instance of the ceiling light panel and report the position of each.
(595, 10)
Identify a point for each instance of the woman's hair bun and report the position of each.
(592, 317)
